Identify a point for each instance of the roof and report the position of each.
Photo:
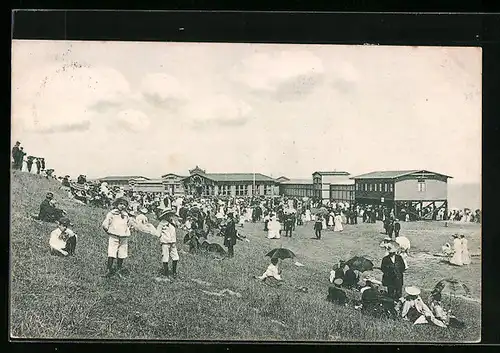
(123, 177)
(236, 177)
(332, 173)
(177, 175)
(148, 181)
(393, 174)
(297, 181)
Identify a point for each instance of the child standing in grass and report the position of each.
(168, 239)
(116, 225)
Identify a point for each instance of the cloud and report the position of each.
(297, 87)
(267, 72)
(55, 96)
(217, 110)
(164, 90)
(76, 127)
(103, 106)
(132, 120)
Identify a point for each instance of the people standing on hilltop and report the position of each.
(42, 163)
(116, 225)
(15, 155)
(38, 165)
(29, 163)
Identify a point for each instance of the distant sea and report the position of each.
(464, 195)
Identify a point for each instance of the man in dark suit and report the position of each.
(230, 235)
(49, 213)
(397, 228)
(393, 268)
(336, 294)
(288, 225)
(15, 155)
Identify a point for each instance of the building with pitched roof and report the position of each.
(123, 181)
(420, 191)
(333, 185)
(201, 183)
(296, 187)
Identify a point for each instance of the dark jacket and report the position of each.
(336, 295)
(392, 272)
(230, 233)
(48, 212)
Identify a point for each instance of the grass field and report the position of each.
(54, 297)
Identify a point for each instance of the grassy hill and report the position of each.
(54, 297)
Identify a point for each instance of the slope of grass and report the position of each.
(54, 297)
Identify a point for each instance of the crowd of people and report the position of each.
(27, 163)
(201, 217)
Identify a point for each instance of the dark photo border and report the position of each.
(409, 29)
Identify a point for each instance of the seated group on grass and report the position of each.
(376, 302)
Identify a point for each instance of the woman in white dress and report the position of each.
(274, 228)
(338, 223)
(456, 259)
(465, 250)
(323, 222)
(308, 215)
(331, 223)
(24, 166)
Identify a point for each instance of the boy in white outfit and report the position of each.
(168, 239)
(116, 225)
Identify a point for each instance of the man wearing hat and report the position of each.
(168, 239)
(393, 268)
(230, 234)
(116, 225)
(48, 212)
(62, 239)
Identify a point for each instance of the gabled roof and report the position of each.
(297, 181)
(334, 173)
(123, 177)
(394, 174)
(148, 181)
(282, 178)
(177, 175)
(235, 177)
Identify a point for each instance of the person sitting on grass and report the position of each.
(336, 294)
(442, 314)
(272, 271)
(62, 239)
(48, 211)
(416, 311)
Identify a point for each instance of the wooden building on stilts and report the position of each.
(421, 194)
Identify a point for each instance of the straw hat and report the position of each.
(166, 212)
(412, 290)
(120, 200)
(338, 281)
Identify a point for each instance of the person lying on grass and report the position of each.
(62, 239)
(272, 271)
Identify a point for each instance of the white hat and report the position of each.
(338, 281)
(412, 290)
(144, 210)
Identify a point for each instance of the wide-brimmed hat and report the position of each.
(412, 290)
(387, 239)
(120, 200)
(338, 281)
(50, 194)
(455, 235)
(166, 212)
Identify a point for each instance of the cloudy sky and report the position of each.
(115, 108)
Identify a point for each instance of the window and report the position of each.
(371, 187)
(391, 188)
(380, 187)
(421, 186)
(385, 187)
(268, 190)
(224, 190)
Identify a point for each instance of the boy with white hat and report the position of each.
(168, 239)
(116, 225)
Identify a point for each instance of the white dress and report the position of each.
(274, 228)
(465, 252)
(330, 220)
(457, 255)
(338, 224)
(308, 215)
(323, 222)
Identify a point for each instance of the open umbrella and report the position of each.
(452, 287)
(281, 253)
(360, 264)
(323, 211)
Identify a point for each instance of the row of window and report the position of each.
(380, 187)
(241, 190)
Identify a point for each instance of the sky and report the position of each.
(143, 108)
